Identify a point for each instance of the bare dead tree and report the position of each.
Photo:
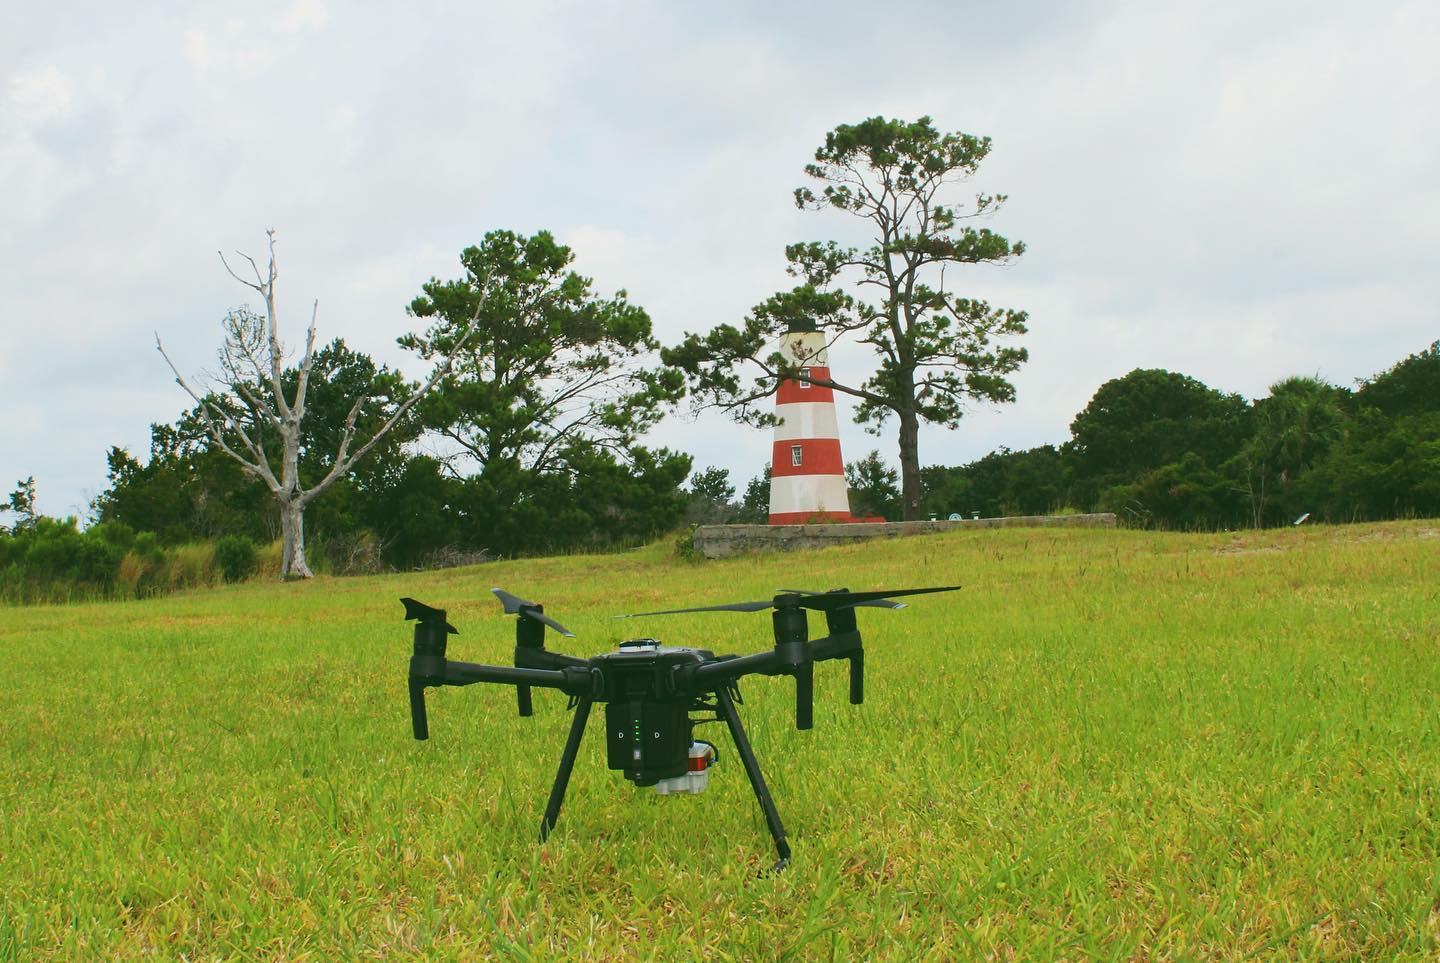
(248, 400)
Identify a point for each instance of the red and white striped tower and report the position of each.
(807, 474)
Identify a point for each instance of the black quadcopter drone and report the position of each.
(650, 690)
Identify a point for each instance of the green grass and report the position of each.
(1109, 744)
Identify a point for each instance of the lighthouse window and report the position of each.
(795, 455)
(804, 374)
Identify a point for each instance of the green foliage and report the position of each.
(1292, 430)
(1410, 387)
(1186, 495)
(411, 507)
(711, 497)
(21, 503)
(139, 570)
(873, 491)
(235, 556)
(1148, 419)
(186, 490)
(713, 484)
(51, 559)
(685, 549)
(755, 503)
(338, 377)
(553, 368)
(1031, 482)
(546, 404)
(1382, 468)
(1163, 450)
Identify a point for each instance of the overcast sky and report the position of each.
(1239, 191)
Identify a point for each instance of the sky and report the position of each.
(1237, 191)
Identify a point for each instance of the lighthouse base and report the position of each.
(819, 518)
(723, 541)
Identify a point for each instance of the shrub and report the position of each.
(685, 546)
(114, 533)
(236, 558)
(268, 559)
(95, 562)
(189, 566)
(146, 547)
(354, 554)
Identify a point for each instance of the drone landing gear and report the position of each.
(757, 781)
(726, 706)
(567, 763)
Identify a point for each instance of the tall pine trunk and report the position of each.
(910, 493)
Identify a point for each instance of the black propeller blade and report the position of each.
(819, 601)
(831, 601)
(875, 603)
(421, 612)
(729, 607)
(514, 605)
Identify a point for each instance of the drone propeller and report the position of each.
(874, 603)
(819, 601)
(514, 605)
(426, 615)
(728, 607)
(431, 628)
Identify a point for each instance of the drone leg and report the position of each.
(522, 700)
(757, 781)
(567, 763)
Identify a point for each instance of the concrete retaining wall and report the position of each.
(722, 541)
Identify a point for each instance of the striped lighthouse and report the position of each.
(807, 473)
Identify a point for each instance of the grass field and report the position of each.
(1110, 744)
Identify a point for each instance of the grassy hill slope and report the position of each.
(1108, 743)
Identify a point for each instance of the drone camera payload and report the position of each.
(651, 691)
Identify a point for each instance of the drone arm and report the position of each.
(713, 674)
(437, 671)
(843, 642)
(841, 645)
(468, 673)
(572, 680)
(526, 658)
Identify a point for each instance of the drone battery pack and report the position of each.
(648, 741)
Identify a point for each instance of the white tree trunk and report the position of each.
(292, 541)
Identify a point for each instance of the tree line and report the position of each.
(1162, 449)
(1159, 448)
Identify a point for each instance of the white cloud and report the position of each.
(41, 95)
(305, 15)
(197, 48)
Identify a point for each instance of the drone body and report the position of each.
(648, 730)
(651, 691)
